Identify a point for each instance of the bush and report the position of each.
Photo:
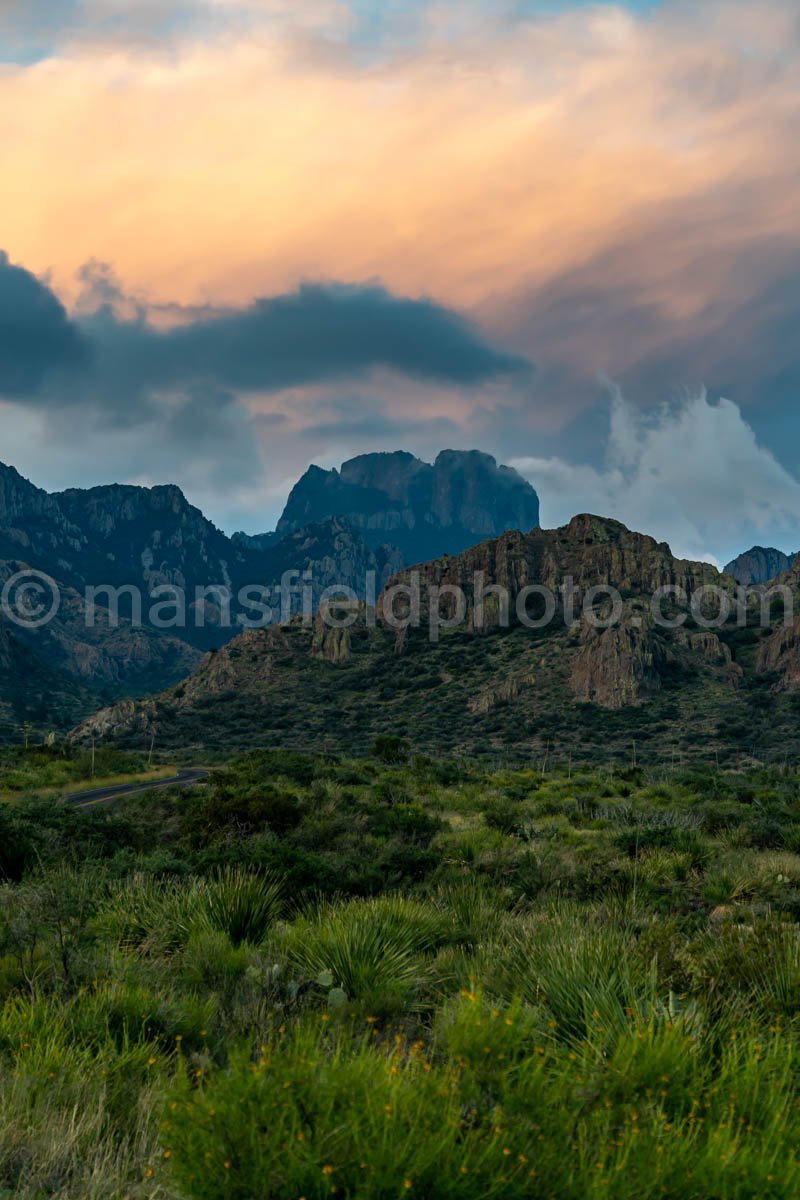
(375, 949)
(390, 749)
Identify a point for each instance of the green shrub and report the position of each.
(240, 904)
(375, 949)
(316, 1113)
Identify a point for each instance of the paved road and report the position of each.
(108, 795)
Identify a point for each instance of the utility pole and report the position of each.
(93, 748)
(150, 755)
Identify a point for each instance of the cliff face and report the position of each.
(21, 501)
(779, 655)
(617, 666)
(340, 686)
(591, 551)
(421, 509)
(759, 565)
(32, 521)
(150, 536)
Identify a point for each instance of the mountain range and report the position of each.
(680, 690)
(381, 512)
(670, 692)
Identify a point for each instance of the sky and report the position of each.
(241, 236)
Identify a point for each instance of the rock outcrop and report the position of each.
(589, 552)
(617, 666)
(759, 565)
(421, 509)
(779, 655)
(332, 685)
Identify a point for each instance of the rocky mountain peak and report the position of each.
(759, 565)
(22, 501)
(390, 472)
(422, 509)
(103, 509)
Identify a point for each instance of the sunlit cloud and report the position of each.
(596, 187)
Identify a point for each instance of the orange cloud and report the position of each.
(474, 166)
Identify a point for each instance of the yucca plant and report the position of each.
(776, 986)
(582, 971)
(727, 887)
(471, 910)
(241, 904)
(151, 915)
(375, 949)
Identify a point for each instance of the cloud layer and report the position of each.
(593, 187)
(174, 382)
(692, 474)
(36, 335)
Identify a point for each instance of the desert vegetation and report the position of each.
(401, 976)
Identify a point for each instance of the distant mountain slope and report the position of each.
(33, 691)
(150, 536)
(759, 565)
(672, 691)
(122, 537)
(424, 510)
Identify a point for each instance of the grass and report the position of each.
(52, 773)
(362, 978)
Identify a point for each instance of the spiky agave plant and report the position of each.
(582, 972)
(241, 904)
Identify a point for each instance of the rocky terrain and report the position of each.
(340, 533)
(486, 688)
(421, 509)
(759, 565)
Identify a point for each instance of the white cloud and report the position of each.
(693, 475)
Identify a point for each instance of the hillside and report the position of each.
(33, 691)
(572, 692)
(151, 540)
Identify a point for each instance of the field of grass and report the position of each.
(397, 977)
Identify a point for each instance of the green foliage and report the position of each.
(241, 905)
(343, 1114)
(376, 950)
(435, 979)
(388, 748)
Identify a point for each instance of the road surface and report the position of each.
(107, 795)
